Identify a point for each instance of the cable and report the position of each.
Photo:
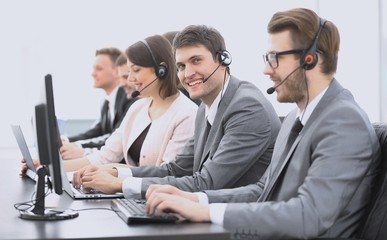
(307, 96)
(221, 91)
(30, 203)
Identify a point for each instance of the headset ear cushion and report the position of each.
(310, 58)
(309, 61)
(162, 71)
(224, 58)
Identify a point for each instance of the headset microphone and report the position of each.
(137, 93)
(208, 77)
(272, 89)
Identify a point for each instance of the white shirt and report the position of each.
(111, 98)
(217, 210)
(131, 186)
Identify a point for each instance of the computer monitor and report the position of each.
(48, 141)
(54, 136)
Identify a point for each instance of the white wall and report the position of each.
(60, 37)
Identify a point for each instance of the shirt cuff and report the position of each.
(86, 151)
(217, 211)
(131, 187)
(123, 173)
(202, 197)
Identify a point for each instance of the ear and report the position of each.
(115, 72)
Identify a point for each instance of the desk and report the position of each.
(97, 224)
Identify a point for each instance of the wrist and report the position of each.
(118, 185)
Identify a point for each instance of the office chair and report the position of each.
(374, 223)
(375, 220)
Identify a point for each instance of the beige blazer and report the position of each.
(166, 137)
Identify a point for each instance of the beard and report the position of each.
(294, 89)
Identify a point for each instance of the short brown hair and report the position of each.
(303, 25)
(112, 52)
(195, 35)
(170, 36)
(121, 60)
(161, 49)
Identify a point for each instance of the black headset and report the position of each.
(160, 70)
(224, 58)
(309, 59)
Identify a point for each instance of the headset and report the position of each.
(309, 58)
(224, 58)
(160, 70)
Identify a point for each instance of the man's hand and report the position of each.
(93, 177)
(25, 167)
(157, 188)
(71, 151)
(77, 176)
(159, 202)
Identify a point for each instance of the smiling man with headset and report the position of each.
(325, 157)
(235, 127)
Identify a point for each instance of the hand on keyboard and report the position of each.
(165, 198)
(133, 211)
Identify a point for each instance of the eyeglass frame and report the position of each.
(276, 54)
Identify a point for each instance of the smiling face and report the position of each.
(141, 78)
(294, 88)
(195, 64)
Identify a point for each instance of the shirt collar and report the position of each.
(211, 111)
(310, 107)
(112, 96)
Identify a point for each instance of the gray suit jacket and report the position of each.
(324, 184)
(238, 149)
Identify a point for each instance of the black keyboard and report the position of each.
(133, 211)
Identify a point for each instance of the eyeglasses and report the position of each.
(272, 57)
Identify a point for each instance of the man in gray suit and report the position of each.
(235, 128)
(317, 186)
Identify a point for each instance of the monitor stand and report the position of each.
(39, 212)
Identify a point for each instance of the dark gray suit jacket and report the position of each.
(324, 184)
(238, 150)
(98, 134)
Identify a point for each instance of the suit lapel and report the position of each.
(224, 103)
(137, 124)
(120, 98)
(273, 179)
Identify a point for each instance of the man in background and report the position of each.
(117, 101)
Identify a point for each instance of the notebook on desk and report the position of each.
(21, 142)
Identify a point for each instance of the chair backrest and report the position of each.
(375, 225)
